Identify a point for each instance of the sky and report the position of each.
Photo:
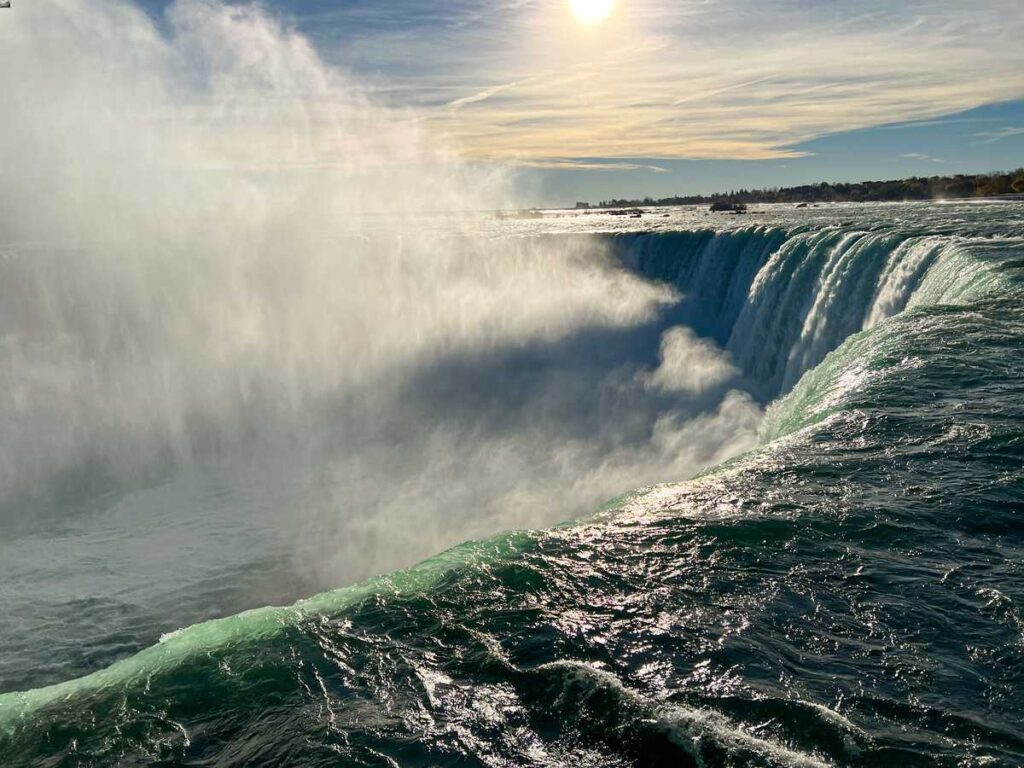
(667, 97)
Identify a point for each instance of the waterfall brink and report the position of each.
(779, 301)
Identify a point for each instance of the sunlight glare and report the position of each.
(591, 11)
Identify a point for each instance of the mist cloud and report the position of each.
(223, 278)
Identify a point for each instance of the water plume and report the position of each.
(237, 330)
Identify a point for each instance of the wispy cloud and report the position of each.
(999, 134)
(478, 97)
(568, 164)
(913, 124)
(675, 79)
(921, 156)
(718, 91)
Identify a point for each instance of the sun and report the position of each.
(591, 11)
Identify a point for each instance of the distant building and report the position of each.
(582, 206)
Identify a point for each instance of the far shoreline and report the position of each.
(1004, 185)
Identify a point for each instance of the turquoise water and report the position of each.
(848, 592)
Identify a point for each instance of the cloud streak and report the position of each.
(478, 97)
(567, 164)
(998, 135)
(719, 91)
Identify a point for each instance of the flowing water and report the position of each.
(846, 589)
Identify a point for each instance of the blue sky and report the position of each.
(681, 96)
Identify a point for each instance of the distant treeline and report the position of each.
(917, 188)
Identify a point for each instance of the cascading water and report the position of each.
(778, 302)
